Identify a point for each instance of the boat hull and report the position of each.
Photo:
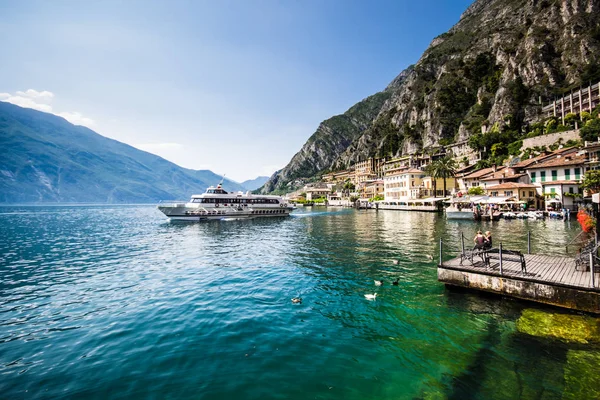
(465, 215)
(408, 208)
(195, 214)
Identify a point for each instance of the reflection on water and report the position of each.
(116, 302)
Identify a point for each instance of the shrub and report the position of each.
(590, 131)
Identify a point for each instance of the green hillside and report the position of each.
(47, 159)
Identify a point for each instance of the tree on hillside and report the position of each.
(590, 131)
(444, 168)
(591, 181)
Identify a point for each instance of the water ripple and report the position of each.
(112, 301)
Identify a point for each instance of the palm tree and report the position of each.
(444, 168)
(430, 170)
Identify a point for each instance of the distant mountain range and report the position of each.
(253, 184)
(47, 159)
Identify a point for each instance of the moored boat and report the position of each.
(216, 204)
(431, 204)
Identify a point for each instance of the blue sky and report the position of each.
(232, 86)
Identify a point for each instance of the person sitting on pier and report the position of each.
(487, 240)
(479, 241)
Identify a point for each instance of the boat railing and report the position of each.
(173, 203)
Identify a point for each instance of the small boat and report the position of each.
(217, 204)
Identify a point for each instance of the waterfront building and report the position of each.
(370, 189)
(504, 175)
(557, 175)
(316, 192)
(403, 184)
(521, 192)
(474, 179)
(428, 186)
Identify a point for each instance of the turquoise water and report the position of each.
(115, 302)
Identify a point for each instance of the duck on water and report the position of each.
(217, 203)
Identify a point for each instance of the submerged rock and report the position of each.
(565, 327)
(582, 380)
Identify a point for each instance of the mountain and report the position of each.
(47, 159)
(253, 184)
(492, 70)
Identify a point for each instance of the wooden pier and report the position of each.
(546, 279)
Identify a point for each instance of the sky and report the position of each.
(236, 87)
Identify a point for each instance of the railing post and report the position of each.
(462, 243)
(500, 252)
(441, 244)
(528, 242)
(592, 269)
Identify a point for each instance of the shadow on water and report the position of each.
(468, 384)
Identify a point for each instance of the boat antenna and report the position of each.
(222, 179)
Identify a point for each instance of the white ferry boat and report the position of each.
(216, 203)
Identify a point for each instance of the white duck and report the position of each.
(371, 296)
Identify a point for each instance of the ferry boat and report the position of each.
(217, 203)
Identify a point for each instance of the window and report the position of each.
(531, 193)
(508, 192)
(567, 174)
(571, 190)
(554, 174)
(543, 176)
(552, 190)
(494, 194)
(578, 173)
(533, 177)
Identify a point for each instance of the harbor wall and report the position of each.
(556, 295)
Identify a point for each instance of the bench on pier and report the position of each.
(470, 255)
(582, 259)
(505, 255)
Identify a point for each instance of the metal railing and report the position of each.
(594, 259)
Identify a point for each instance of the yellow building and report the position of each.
(370, 189)
(428, 186)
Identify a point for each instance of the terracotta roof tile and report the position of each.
(559, 161)
(482, 172)
(511, 185)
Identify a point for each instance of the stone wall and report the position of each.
(547, 140)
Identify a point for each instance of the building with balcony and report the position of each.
(575, 102)
(403, 184)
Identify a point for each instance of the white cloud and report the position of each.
(40, 101)
(34, 94)
(77, 119)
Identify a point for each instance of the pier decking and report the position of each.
(548, 279)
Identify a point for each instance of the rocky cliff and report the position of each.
(492, 69)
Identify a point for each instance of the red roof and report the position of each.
(559, 161)
(482, 172)
(511, 185)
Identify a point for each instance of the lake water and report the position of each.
(115, 302)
